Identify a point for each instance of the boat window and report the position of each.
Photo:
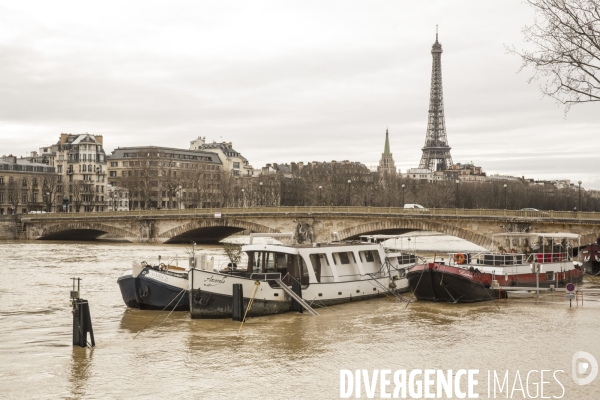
(343, 258)
(269, 262)
(368, 255)
(360, 255)
(254, 260)
(296, 268)
(353, 257)
(258, 266)
(315, 260)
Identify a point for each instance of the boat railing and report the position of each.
(264, 277)
(549, 257)
(487, 258)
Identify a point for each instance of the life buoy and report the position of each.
(459, 258)
(513, 251)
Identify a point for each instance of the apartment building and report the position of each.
(80, 161)
(27, 186)
(164, 177)
(232, 160)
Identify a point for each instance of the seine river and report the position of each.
(290, 356)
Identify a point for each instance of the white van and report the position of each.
(414, 206)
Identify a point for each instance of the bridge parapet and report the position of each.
(314, 223)
(570, 215)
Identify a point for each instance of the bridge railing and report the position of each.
(329, 209)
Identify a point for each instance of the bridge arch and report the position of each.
(391, 226)
(83, 231)
(210, 231)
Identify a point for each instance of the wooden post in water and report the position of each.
(238, 302)
(82, 321)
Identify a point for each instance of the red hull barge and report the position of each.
(468, 278)
(447, 283)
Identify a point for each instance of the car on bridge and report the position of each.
(415, 208)
(529, 210)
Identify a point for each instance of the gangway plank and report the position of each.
(294, 296)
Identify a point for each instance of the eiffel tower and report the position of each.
(436, 152)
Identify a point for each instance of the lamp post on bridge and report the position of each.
(457, 182)
(579, 196)
(261, 193)
(403, 190)
(243, 198)
(48, 202)
(505, 185)
(179, 193)
(349, 183)
(320, 191)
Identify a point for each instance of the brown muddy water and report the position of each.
(294, 356)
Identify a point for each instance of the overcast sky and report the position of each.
(287, 81)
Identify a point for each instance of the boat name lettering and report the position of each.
(157, 276)
(212, 281)
(465, 273)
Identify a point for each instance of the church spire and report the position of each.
(386, 164)
(386, 149)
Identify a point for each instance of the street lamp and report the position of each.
(349, 182)
(579, 202)
(179, 190)
(505, 185)
(457, 182)
(48, 201)
(403, 189)
(261, 193)
(320, 190)
(243, 198)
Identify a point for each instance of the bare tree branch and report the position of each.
(565, 37)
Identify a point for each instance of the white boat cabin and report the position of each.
(321, 263)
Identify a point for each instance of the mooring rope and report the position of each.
(256, 285)
(178, 294)
(168, 315)
(415, 289)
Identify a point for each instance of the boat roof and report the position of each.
(293, 248)
(382, 238)
(542, 234)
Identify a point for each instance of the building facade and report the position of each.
(118, 198)
(164, 177)
(80, 161)
(232, 160)
(27, 186)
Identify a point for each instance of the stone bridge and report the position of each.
(310, 224)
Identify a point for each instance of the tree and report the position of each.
(49, 190)
(77, 190)
(14, 194)
(566, 49)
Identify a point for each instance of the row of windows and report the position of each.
(25, 181)
(169, 155)
(167, 164)
(120, 203)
